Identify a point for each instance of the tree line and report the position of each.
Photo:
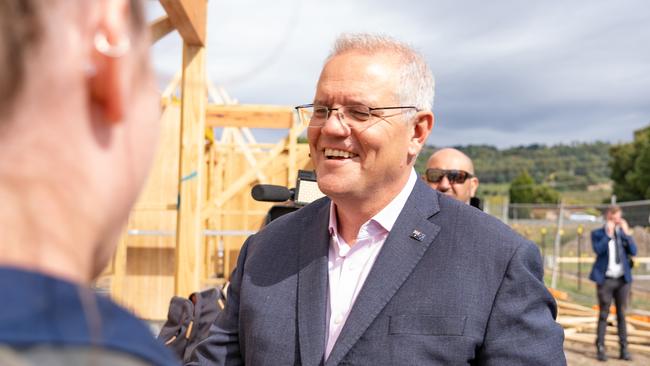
(563, 167)
(630, 167)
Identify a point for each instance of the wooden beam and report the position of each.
(189, 17)
(253, 116)
(243, 180)
(160, 28)
(248, 154)
(189, 234)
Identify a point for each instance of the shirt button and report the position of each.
(338, 319)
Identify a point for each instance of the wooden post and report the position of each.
(189, 223)
(556, 246)
(292, 173)
(580, 231)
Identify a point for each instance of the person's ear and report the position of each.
(108, 83)
(473, 182)
(421, 130)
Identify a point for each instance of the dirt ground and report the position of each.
(580, 354)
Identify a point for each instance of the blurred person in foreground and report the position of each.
(78, 128)
(385, 270)
(613, 245)
(451, 172)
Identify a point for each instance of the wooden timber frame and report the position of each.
(195, 211)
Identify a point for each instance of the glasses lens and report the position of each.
(454, 176)
(457, 176)
(435, 175)
(320, 112)
(357, 113)
(315, 115)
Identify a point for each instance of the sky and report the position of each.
(508, 73)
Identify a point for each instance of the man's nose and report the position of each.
(335, 124)
(444, 184)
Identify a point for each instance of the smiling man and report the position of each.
(385, 270)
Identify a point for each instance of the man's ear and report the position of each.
(108, 83)
(473, 186)
(421, 129)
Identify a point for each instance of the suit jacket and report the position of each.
(600, 244)
(467, 290)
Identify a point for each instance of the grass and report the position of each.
(498, 192)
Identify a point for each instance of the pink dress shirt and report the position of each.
(349, 266)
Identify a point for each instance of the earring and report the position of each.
(115, 51)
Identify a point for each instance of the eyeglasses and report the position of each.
(454, 176)
(355, 116)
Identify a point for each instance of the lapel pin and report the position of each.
(417, 235)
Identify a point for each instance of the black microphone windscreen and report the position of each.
(270, 193)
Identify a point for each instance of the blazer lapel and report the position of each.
(407, 242)
(312, 286)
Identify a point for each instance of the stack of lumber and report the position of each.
(580, 322)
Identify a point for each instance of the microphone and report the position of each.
(271, 193)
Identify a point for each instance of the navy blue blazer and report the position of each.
(450, 286)
(43, 312)
(599, 242)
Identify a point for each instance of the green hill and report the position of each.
(569, 167)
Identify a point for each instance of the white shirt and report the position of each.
(614, 270)
(349, 266)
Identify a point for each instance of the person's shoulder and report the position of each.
(281, 235)
(598, 231)
(306, 214)
(81, 318)
(486, 232)
(472, 217)
(124, 332)
(57, 355)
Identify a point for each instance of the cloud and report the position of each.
(507, 72)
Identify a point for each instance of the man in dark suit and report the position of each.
(613, 276)
(385, 270)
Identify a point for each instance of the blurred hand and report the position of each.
(625, 227)
(610, 226)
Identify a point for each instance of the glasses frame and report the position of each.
(341, 116)
(447, 173)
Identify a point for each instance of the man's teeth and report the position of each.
(333, 153)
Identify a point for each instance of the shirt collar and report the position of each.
(388, 215)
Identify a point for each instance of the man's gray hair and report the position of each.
(417, 83)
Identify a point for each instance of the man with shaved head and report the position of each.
(451, 172)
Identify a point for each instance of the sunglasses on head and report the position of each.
(454, 176)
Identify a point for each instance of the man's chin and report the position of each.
(333, 186)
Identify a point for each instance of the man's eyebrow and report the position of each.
(347, 102)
